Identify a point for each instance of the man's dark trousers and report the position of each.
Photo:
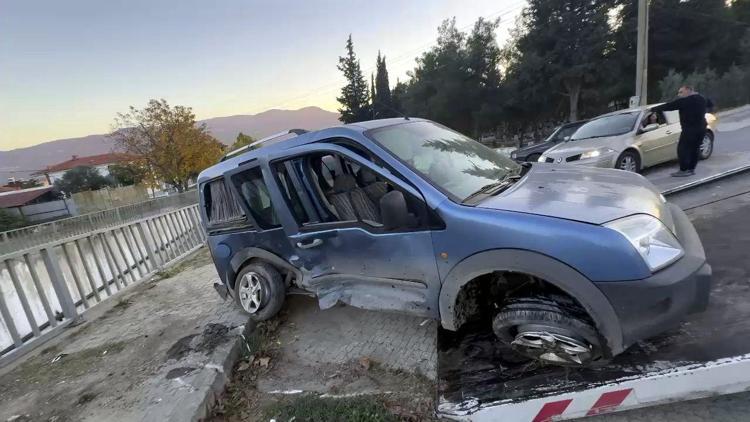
(688, 149)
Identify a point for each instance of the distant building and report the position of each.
(100, 162)
(37, 205)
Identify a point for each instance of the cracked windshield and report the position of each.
(387, 211)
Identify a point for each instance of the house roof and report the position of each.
(21, 197)
(91, 160)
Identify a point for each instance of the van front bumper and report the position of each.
(658, 303)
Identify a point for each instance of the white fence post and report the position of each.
(58, 282)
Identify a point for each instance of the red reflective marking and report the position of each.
(555, 408)
(608, 402)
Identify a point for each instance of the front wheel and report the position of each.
(544, 330)
(707, 145)
(259, 290)
(629, 161)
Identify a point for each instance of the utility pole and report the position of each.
(641, 63)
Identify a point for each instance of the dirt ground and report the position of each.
(139, 356)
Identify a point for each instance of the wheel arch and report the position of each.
(249, 255)
(635, 149)
(552, 271)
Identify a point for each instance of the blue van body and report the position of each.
(552, 224)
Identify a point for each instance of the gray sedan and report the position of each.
(629, 140)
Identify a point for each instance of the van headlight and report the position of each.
(656, 244)
(541, 159)
(596, 153)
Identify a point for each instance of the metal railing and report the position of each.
(45, 288)
(32, 236)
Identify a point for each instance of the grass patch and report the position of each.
(316, 409)
(197, 259)
(41, 370)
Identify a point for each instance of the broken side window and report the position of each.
(222, 205)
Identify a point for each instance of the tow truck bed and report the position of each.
(708, 355)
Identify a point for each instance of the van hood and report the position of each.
(586, 194)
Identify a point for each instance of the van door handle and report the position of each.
(669, 132)
(314, 243)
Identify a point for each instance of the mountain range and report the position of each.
(21, 162)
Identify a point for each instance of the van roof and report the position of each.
(230, 161)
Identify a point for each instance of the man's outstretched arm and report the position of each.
(675, 104)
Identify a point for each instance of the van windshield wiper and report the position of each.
(495, 187)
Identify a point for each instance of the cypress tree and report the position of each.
(354, 98)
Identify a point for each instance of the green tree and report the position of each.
(128, 174)
(456, 82)
(354, 99)
(563, 45)
(81, 179)
(169, 140)
(10, 221)
(381, 93)
(241, 141)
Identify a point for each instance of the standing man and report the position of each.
(692, 107)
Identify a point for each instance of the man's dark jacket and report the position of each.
(692, 110)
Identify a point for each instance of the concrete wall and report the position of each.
(104, 199)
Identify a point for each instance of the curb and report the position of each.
(706, 180)
(220, 379)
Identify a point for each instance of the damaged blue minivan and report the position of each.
(567, 265)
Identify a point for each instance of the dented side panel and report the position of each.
(392, 271)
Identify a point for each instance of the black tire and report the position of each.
(271, 295)
(705, 153)
(533, 158)
(627, 157)
(532, 315)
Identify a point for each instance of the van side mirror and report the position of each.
(394, 212)
(649, 128)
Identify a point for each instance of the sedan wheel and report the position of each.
(707, 145)
(629, 161)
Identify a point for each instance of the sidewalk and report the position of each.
(157, 351)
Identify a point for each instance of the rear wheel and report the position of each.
(259, 290)
(707, 145)
(629, 161)
(548, 331)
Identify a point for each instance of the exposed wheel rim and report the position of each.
(628, 163)
(554, 348)
(706, 146)
(251, 292)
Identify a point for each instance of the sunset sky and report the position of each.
(67, 67)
